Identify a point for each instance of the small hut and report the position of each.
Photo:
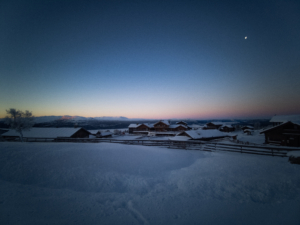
(248, 131)
(104, 134)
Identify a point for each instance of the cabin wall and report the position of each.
(212, 126)
(142, 128)
(287, 135)
(227, 129)
(131, 129)
(182, 123)
(161, 127)
(81, 134)
(179, 129)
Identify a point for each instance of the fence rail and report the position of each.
(248, 149)
(188, 145)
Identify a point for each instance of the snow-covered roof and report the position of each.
(196, 126)
(179, 138)
(228, 126)
(199, 134)
(41, 132)
(177, 125)
(248, 126)
(165, 132)
(247, 130)
(285, 118)
(149, 124)
(216, 123)
(181, 122)
(134, 125)
(271, 128)
(163, 121)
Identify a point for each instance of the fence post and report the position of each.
(241, 149)
(272, 152)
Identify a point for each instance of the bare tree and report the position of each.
(19, 121)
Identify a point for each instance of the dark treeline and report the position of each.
(115, 124)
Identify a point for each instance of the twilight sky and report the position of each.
(150, 59)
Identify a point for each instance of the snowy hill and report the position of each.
(110, 118)
(68, 183)
(45, 119)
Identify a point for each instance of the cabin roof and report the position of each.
(134, 125)
(181, 122)
(285, 118)
(177, 125)
(149, 124)
(41, 132)
(248, 126)
(163, 121)
(199, 134)
(275, 127)
(247, 130)
(228, 126)
(216, 123)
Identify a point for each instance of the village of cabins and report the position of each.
(285, 131)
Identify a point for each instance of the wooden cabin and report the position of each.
(178, 127)
(203, 134)
(143, 127)
(132, 127)
(277, 120)
(247, 127)
(286, 134)
(213, 125)
(248, 131)
(53, 133)
(162, 125)
(182, 123)
(104, 134)
(226, 128)
(81, 133)
(140, 128)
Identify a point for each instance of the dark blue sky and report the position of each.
(150, 59)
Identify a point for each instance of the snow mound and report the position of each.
(104, 183)
(99, 168)
(294, 154)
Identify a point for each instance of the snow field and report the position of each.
(104, 183)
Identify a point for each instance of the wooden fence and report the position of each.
(188, 145)
(258, 150)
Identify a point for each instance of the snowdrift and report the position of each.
(59, 183)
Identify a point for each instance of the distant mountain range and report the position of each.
(45, 119)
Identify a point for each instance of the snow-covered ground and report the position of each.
(103, 183)
(294, 154)
(255, 138)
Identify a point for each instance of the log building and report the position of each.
(276, 120)
(213, 125)
(37, 132)
(286, 134)
(162, 126)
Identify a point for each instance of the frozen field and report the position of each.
(103, 183)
